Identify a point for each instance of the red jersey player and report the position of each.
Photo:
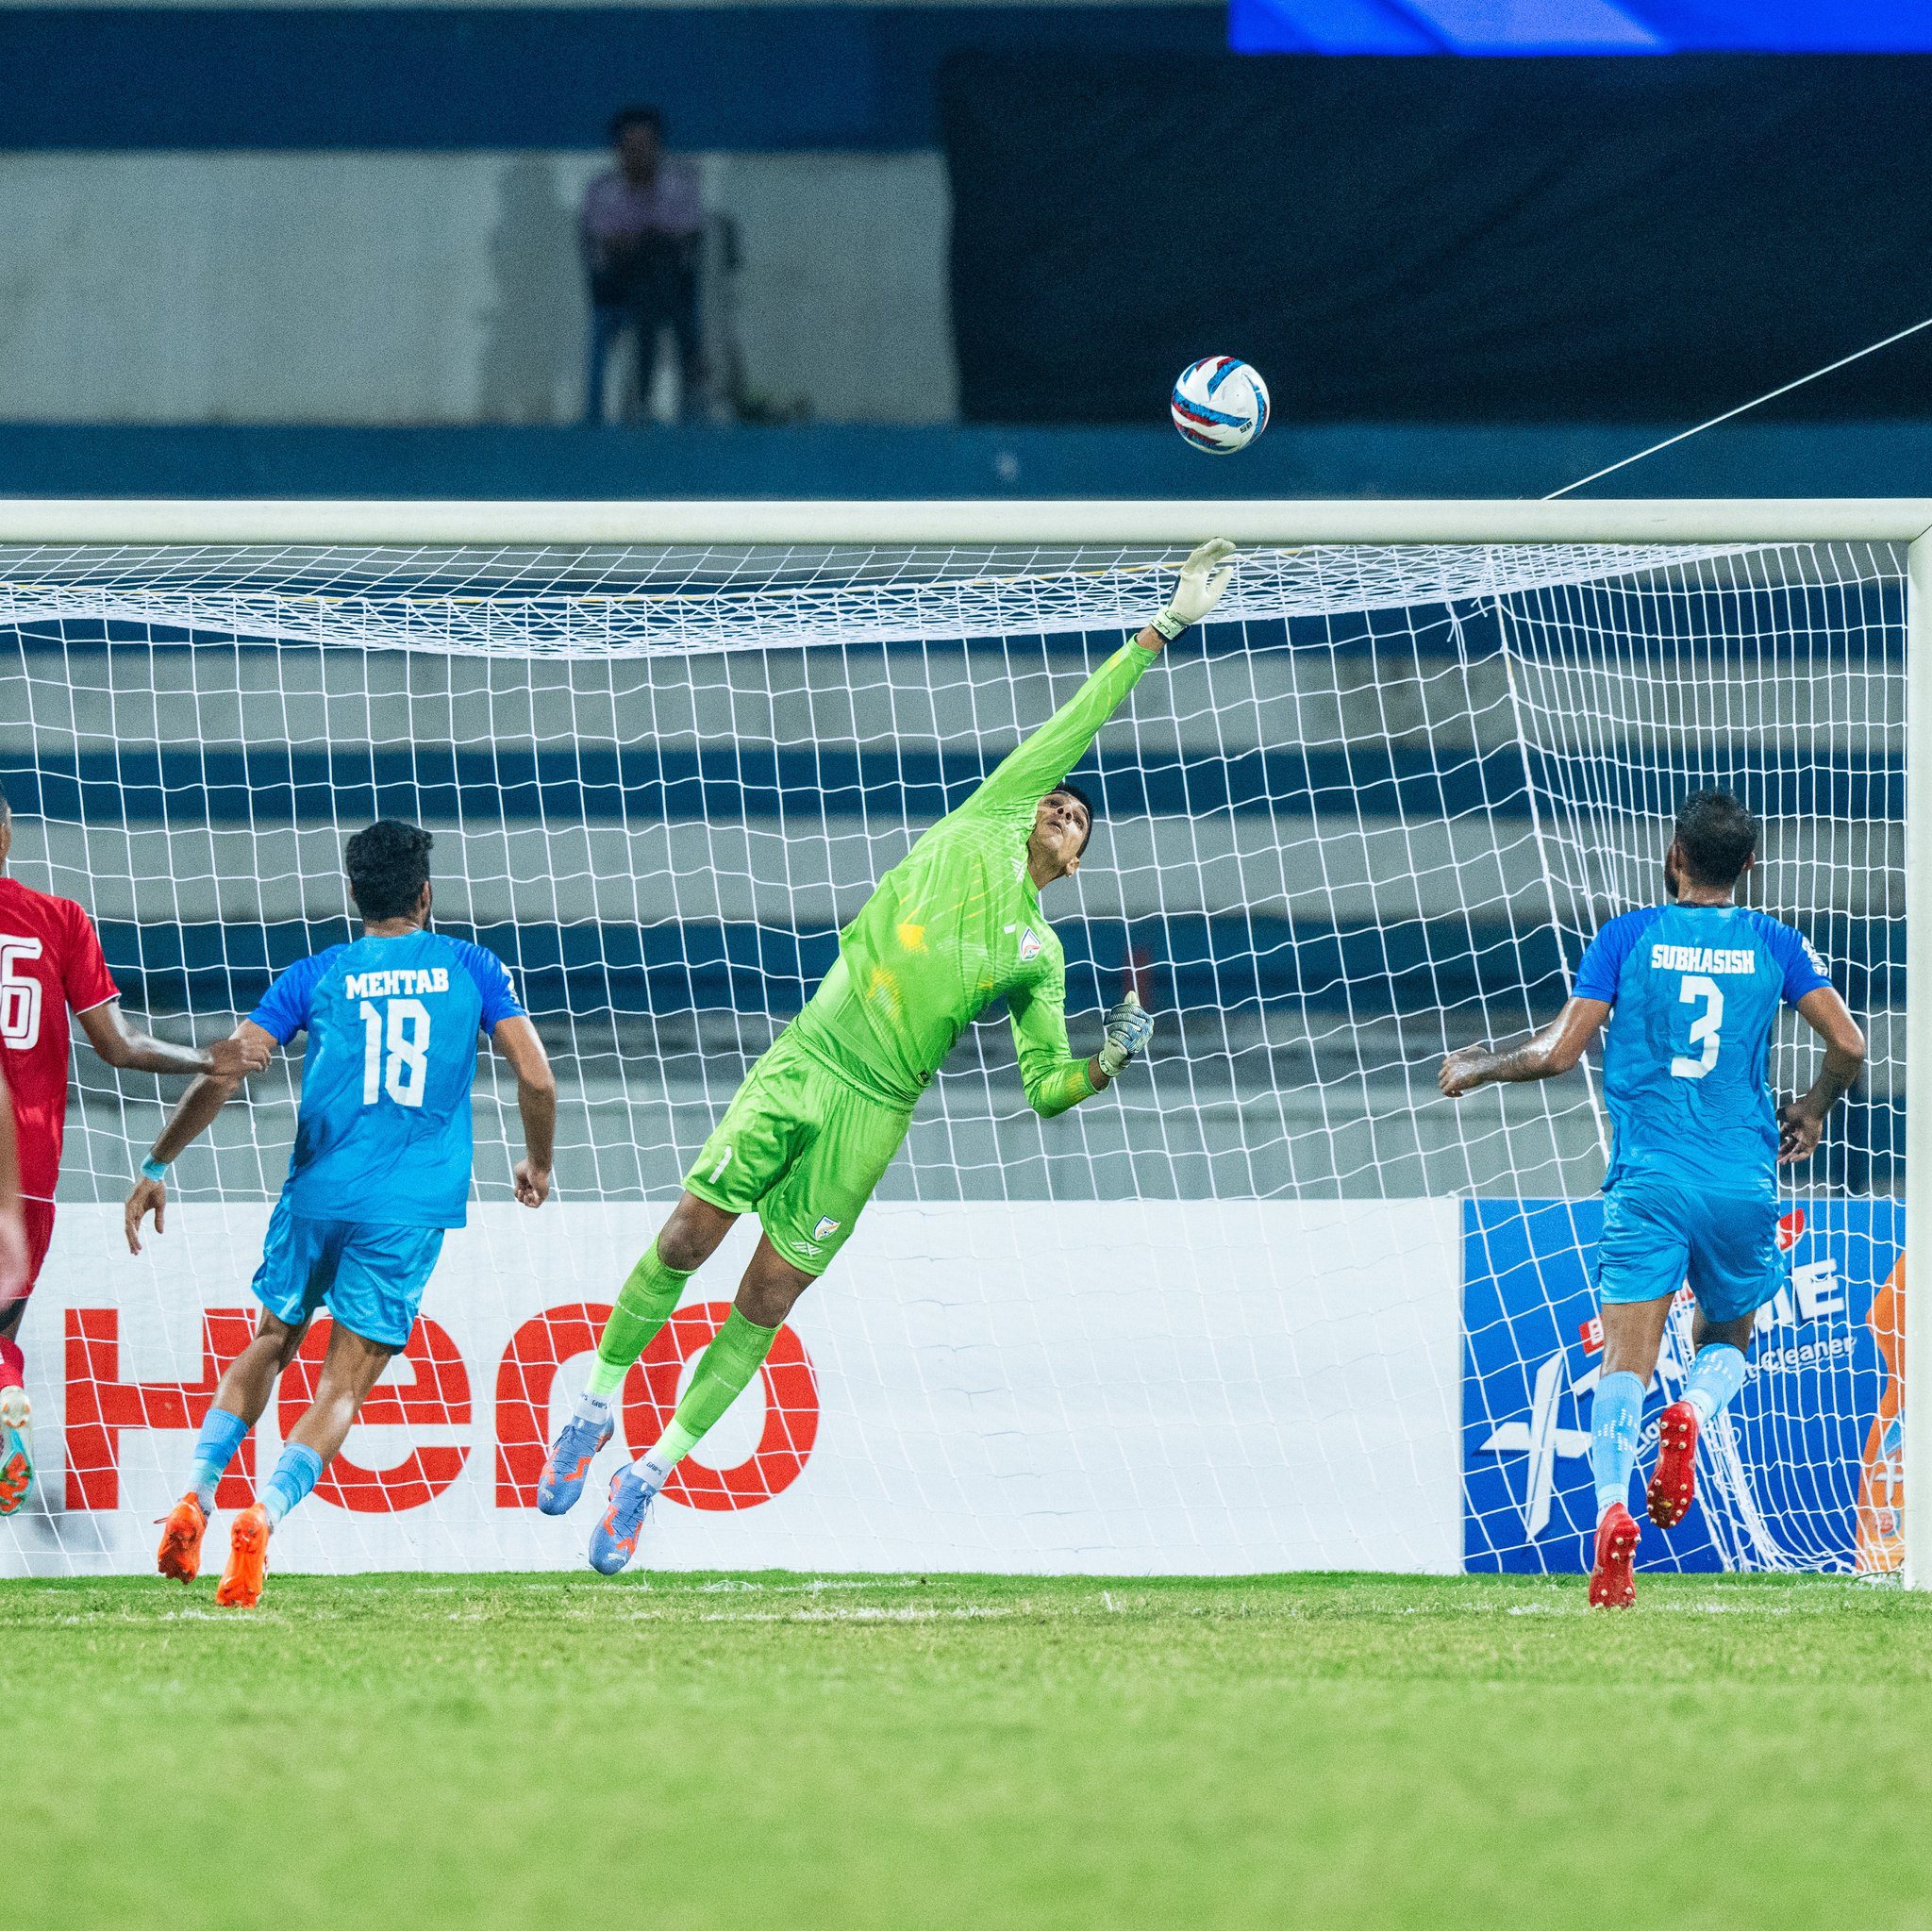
(51, 963)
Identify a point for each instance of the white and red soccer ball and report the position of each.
(1220, 405)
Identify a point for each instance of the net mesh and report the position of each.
(1209, 1320)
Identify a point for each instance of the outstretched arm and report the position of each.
(516, 1040)
(1800, 1120)
(193, 1116)
(1026, 774)
(1554, 1050)
(134, 1050)
(1054, 1079)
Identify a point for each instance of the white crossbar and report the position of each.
(1125, 524)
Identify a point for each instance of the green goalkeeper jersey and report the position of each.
(955, 925)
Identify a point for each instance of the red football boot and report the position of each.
(1611, 1584)
(1674, 1484)
(179, 1554)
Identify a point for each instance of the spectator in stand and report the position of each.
(641, 228)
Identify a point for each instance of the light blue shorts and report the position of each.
(1658, 1231)
(370, 1278)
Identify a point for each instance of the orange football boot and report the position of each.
(1612, 1584)
(182, 1528)
(241, 1584)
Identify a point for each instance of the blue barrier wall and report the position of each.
(1748, 458)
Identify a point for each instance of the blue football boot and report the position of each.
(614, 1540)
(571, 1455)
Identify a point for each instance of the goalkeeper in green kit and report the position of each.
(955, 925)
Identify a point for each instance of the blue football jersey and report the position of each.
(1696, 990)
(383, 1135)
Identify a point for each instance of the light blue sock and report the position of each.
(1614, 1417)
(1716, 1376)
(294, 1478)
(221, 1434)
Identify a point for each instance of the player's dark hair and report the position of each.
(388, 866)
(1068, 788)
(6, 804)
(626, 118)
(1717, 836)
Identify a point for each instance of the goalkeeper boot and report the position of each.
(569, 1461)
(1612, 1585)
(614, 1540)
(241, 1580)
(16, 1448)
(182, 1529)
(1674, 1484)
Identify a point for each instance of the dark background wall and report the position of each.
(752, 78)
(1438, 240)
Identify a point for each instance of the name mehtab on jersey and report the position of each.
(396, 982)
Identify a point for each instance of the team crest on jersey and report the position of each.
(1029, 943)
(827, 1227)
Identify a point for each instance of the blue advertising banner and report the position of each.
(1803, 1470)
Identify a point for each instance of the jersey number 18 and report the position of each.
(1704, 1029)
(395, 1053)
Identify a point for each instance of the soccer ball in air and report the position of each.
(1220, 405)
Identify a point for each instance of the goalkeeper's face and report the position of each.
(1061, 827)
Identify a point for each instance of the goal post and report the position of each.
(1918, 1440)
(1269, 1303)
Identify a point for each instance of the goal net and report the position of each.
(1269, 1303)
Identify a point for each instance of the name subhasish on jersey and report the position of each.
(398, 982)
(1703, 959)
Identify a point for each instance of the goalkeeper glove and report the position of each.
(1129, 1026)
(1203, 576)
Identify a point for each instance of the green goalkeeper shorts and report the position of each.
(802, 1147)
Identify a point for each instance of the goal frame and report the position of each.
(1135, 522)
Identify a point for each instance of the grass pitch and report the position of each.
(780, 1753)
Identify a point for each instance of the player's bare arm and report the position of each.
(1800, 1120)
(1545, 1054)
(517, 1041)
(194, 1113)
(131, 1050)
(14, 1248)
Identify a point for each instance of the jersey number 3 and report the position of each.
(1704, 1029)
(395, 1054)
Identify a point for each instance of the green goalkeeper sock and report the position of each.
(725, 1371)
(644, 1303)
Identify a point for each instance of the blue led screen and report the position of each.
(1579, 26)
